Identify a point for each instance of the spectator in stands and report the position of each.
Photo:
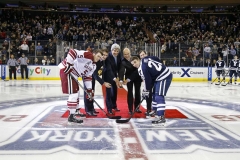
(169, 47)
(175, 47)
(50, 31)
(25, 48)
(2, 34)
(195, 52)
(194, 61)
(207, 51)
(45, 50)
(51, 49)
(214, 63)
(164, 47)
(225, 52)
(220, 49)
(174, 62)
(185, 29)
(36, 62)
(39, 49)
(17, 42)
(52, 61)
(189, 53)
(29, 37)
(45, 61)
(184, 62)
(232, 52)
(32, 49)
(75, 36)
(207, 63)
(5, 44)
(164, 62)
(214, 52)
(4, 52)
(200, 62)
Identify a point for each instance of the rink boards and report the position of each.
(40, 72)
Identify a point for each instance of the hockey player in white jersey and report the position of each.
(79, 63)
(233, 66)
(220, 69)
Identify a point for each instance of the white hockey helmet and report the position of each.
(115, 46)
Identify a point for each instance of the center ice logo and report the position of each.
(181, 136)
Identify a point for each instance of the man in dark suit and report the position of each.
(174, 62)
(114, 62)
(175, 47)
(127, 70)
(169, 48)
(89, 107)
(133, 77)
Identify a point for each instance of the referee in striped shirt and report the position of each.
(23, 65)
(12, 65)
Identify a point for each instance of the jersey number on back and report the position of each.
(155, 64)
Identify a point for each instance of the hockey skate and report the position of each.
(159, 120)
(73, 118)
(217, 83)
(224, 83)
(79, 114)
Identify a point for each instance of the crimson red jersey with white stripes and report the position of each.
(83, 65)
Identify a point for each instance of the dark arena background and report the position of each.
(202, 109)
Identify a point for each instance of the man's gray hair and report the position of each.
(115, 46)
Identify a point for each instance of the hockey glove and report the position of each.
(145, 94)
(68, 68)
(90, 94)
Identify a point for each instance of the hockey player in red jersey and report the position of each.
(79, 63)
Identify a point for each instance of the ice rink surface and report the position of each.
(32, 127)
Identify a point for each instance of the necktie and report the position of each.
(115, 60)
(103, 69)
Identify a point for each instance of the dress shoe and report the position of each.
(78, 113)
(148, 111)
(138, 111)
(91, 113)
(116, 109)
(94, 111)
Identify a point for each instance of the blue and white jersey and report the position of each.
(238, 66)
(234, 64)
(220, 65)
(151, 69)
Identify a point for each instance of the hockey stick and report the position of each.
(226, 83)
(214, 80)
(224, 77)
(113, 117)
(127, 120)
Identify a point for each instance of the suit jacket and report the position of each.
(175, 45)
(95, 75)
(174, 63)
(111, 69)
(128, 70)
(169, 47)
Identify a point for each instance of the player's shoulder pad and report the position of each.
(145, 60)
(88, 55)
(154, 58)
